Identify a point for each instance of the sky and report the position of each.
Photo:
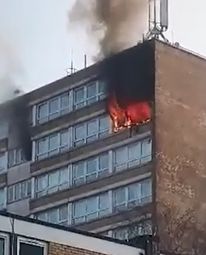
(37, 43)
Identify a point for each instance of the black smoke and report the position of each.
(130, 74)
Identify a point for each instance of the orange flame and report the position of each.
(135, 113)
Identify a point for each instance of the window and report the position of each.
(3, 162)
(129, 232)
(53, 108)
(2, 198)
(4, 244)
(16, 157)
(19, 191)
(90, 208)
(52, 182)
(55, 215)
(32, 247)
(61, 104)
(132, 195)
(52, 144)
(89, 94)
(132, 155)
(90, 169)
(91, 130)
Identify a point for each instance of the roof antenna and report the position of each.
(71, 69)
(158, 19)
(85, 61)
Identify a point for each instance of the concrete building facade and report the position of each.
(121, 184)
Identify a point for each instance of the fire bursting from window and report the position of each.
(133, 114)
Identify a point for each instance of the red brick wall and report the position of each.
(58, 249)
(180, 125)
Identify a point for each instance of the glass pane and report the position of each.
(79, 95)
(102, 87)
(146, 148)
(134, 151)
(42, 111)
(92, 127)
(54, 106)
(42, 182)
(119, 196)
(103, 202)
(63, 213)
(104, 123)
(104, 161)
(17, 192)
(42, 146)
(80, 132)
(78, 169)
(91, 90)
(91, 205)
(53, 179)
(2, 197)
(64, 176)
(53, 142)
(146, 188)
(2, 161)
(42, 216)
(53, 216)
(2, 246)
(134, 192)
(64, 138)
(10, 194)
(24, 189)
(79, 209)
(64, 101)
(91, 165)
(121, 156)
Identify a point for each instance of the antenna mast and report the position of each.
(158, 19)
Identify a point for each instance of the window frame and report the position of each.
(138, 161)
(85, 176)
(33, 242)
(47, 213)
(15, 153)
(97, 212)
(5, 237)
(12, 188)
(48, 190)
(140, 200)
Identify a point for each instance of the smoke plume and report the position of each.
(113, 24)
(10, 68)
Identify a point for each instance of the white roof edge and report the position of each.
(50, 234)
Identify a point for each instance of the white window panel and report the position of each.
(42, 112)
(52, 182)
(79, 98)
(132, 195)
(4, 244)
(3, 162)
(16, 157)
(91, 130)
(53, 108)
(132, 155)
(19, 191)
(90, 169)
(52, 144)
(90, 208)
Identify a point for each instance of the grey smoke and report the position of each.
(10, 68)
(113, 24)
